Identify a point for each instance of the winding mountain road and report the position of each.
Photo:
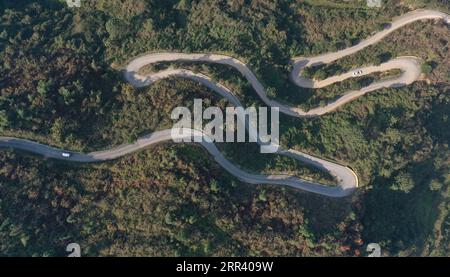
(347, 181)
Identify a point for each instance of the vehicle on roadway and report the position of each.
(358, 73)
(66, 155)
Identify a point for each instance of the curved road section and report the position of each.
(347, 181)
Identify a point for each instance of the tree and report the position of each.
(67, 95)
(214, 186)
(308, 72)
(427, 68)
(320, 74)
(435, 185)
(403, 182)
(3, 121)
(271, 92)
(42, 88)
(57, 130)
(116, 29)
(262, 196)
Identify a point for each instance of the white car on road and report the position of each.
(358, 73)
(66, 155)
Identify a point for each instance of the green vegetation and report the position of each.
(425, 40)
(61, 69)
(427, 68)
(337, 4)
(167, 201)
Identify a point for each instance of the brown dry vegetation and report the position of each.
(174, 200)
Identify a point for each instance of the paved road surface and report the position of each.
(346, 177)
(347, 180)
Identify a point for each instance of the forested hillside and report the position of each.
(61, 84)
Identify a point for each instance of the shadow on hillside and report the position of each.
(401, 220)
